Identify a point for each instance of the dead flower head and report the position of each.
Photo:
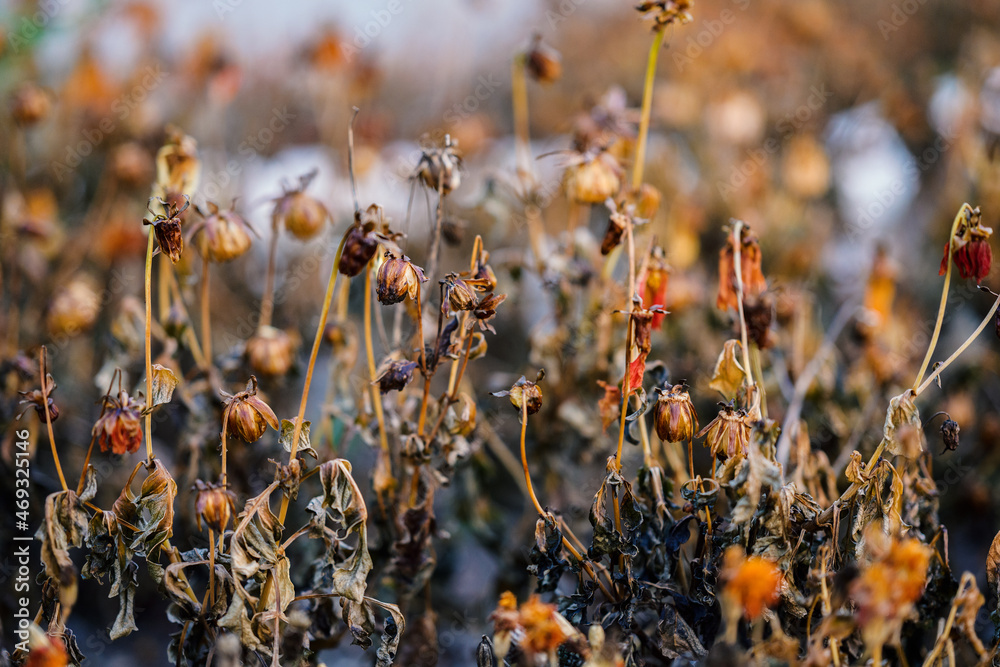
(397, 279)
(167, 227)
(674, 416)
(270, 351)
(37, 399)
(728, 434)
(525, 394)
(752, 584)
(542, 62)
(248, 415)
(751, 275)
(440, 168)
(120, 427)
(665, 12)
(178, 168)
(214, 504)
(903, 430)
(224, 235)
(970, 247)
(593, 178)
(301, 214)
(362, 239)
(395, 375)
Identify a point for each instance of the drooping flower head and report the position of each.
(970, 246)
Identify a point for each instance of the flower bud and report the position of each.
(674, 416)
(270, 351)
(300, 214)
(120, 428)
(398, 278)
(214, 505)
(224, 235)
(247, 414)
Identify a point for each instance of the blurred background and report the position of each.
(846, 134)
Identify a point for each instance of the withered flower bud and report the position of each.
(674, 415)
(461, 295)
(73, 309)
(130, 165)
(29, 104)
(167, 228)
(728, 434)
(970, 247)
(593, 179)
(759, 313)
(36, 398)
(120, 427)
(178, 168)
(300, 214)
(752, 277)
(665, 12)
(949, 435)
(224, 235)
(248, 415)
(214, 505)
(361, 241)
(617, 224)
(440, 168)
(270, 351)
(543, 62)
(486, 310)
(524, 393)
(485, 276)
(398, 278)
(395, 375)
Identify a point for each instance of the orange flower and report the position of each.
(542, 631)
(753, 583)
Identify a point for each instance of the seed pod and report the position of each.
(167, 227)
(359, 248)
(224, 235)
(728, 434)
(949, 435)
(214, 505)
(674, 416)
(398, 278)
(543, 62)
(270, 351)
(247, 414)
(440, 168)
(120, 428)
(300, 214)
(461, 295)
(396, 375)
(593, 180)
(524, 393)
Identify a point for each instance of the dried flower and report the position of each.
(398, 278)
(525, 393)
(653, 284)
(461, 295)
(665, 12)
(728, 434)
(903, 430)
(970, 247)
(461, 416)
(73, 309)
(754, 283)
(270, 351)
(361, 240)
(395, 375)
(617, 224)
(120, 427)
(167, 228)
(299, 213)
(753, 583)
(37, 398)
(214, 505)
(642, 344)
(440, 168)
(131, 165)
(248, 415)
(224, 234)
(759, 313)
(674, 416)
(486, 310)
(506, 623)
(178, 168)
(593, 178)
(543, 633)
(542, 61)
(949, 435)
(45, 650)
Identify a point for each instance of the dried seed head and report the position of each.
(214, 505)
(120, 428)
(524, 393)
(970, 247)
(398, 278)
(299, 213)
(73, 309)
(674, 416)
(486, 310)
(167, 226)
(359, 248)
(36, 398)
(594, 179)
(617, 224)
(29, 104)
(178, 168)
(728, 434)
(653, 284)
(247, 414)
(543, 62)
(753, 584)
(270, 351)
(461, 295)
(224, 235)
(440, 168)
(396, 375)
(752, 277)
(949, 435)
(665, 12)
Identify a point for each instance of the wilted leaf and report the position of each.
(66, 525)
(903, 431)
(164, 383)
(288, 430)
(154, 510)
(993, 565)
(728, 374)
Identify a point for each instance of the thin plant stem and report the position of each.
(225, 438)
(267, 302)
(947, 362)
(944, 296)
(370, 354)
(524, 459)
(149, 353)
(43, 373)
(210, 596)
(738, 270)
(206, 319)
(519, 97)
(647, 108)
(449, 398)
(625, 394)
(331, 286)
(435, 248)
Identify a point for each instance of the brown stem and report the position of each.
(43, 372)
(267, 302)
(206, 319)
